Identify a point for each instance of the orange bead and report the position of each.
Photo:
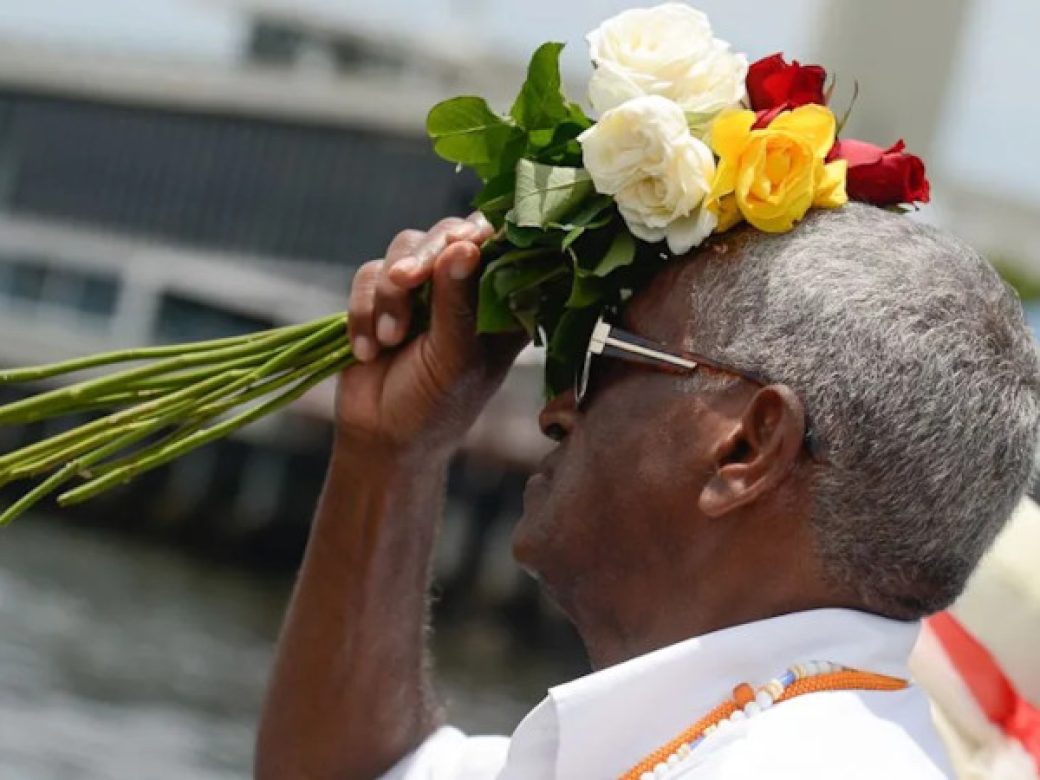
(743, 694)
(843, 680)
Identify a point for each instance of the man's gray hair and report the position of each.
(918, 374)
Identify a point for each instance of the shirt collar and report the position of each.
(608, 720)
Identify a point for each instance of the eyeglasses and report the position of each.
(613, 342)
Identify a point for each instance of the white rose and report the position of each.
(643, 154)
(669, 51)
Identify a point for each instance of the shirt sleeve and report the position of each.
(448, 754)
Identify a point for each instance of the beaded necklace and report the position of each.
(746, 702)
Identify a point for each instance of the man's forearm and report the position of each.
(349, 694)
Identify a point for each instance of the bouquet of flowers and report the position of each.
(689, 140)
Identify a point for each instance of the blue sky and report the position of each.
(991, 113)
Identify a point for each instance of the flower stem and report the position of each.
(204, 413)
(34, 373)
(323, 369)
(112, 421)
(186, 387)
(64, 400)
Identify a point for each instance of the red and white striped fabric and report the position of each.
(979, 662)
(992, 731)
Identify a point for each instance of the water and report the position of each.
(119, 659)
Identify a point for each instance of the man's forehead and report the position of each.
(660, 311)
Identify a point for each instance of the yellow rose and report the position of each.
(776, 173)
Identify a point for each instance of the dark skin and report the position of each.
(693, 501)
(669, 509)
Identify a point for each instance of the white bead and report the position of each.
(647, 776)
(764, 700)
(737, 715)
(724, 724)
(673, 760)
(751, 708)
(711, 728)
(684, 750)
(811, 669)
(661, 770)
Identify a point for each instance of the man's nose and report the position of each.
(558, 418)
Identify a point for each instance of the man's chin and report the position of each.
(533, 550)
(525, 548)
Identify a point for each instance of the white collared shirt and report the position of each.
(599, 726)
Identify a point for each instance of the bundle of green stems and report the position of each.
(180, 397)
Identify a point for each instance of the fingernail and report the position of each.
(480, 222)
(406, 265)
(386, 328)
(458, 270)
(465, 230)
(364, 349)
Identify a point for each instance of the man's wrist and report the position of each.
(355, 454)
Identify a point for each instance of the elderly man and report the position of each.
(866, 427)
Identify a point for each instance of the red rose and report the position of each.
(773, 83)
(883, 177)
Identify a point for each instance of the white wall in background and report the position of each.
(987, 133)
(988, 137)
(162, 29)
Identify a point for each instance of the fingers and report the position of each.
(404, 245)
(453, 317)
(392, 313)
(362, 310)
(380, 311)
(412, 268)
(380, 296)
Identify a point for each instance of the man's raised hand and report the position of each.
(427, 393)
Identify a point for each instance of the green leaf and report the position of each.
(465, 130)
(590, 214)
(524, 276)
(622, 252)
(572, 235)
(505, 160)
(585, 291)
(515, 256)
(577, 114)
(522, 237)
(566, 349)
(546, 193)
(700, 124)
(494, 309)
(541, 103)
(541, 138)
(497, 197)
(560, 148)
(493, 312)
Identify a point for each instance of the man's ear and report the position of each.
(758, 453)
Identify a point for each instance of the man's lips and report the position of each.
(548, 464)
(542, 475)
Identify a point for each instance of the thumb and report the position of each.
(453, 315)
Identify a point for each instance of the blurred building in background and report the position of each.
(152, 199)
(180, 170)
(186, 169)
